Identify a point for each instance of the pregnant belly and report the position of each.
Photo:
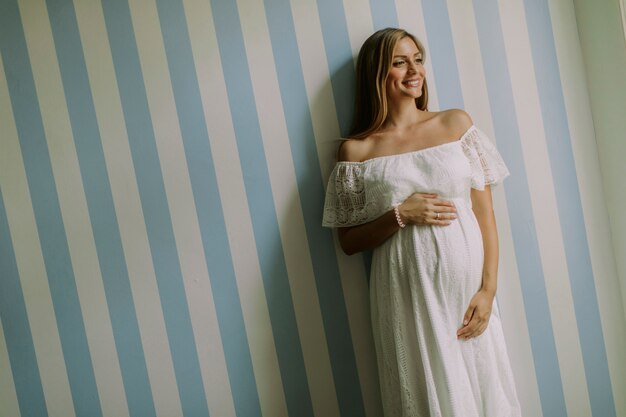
(453, 253)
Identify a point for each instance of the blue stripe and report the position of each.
(518, 197)
(340, 60)
(47, 213)
(443, 56)
(17, 332)
(155, 208)
(208, 205)
(311, 192)
(342, 75)
(261, 206)
(211, 221)
(101, 208)
(384, 13)
(182, 341)
(570, 209)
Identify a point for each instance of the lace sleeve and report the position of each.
(488, 167)
(348, 201)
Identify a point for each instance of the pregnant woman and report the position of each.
(414, 186)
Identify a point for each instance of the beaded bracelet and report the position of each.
(397, 212)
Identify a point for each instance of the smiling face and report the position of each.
(406, 74)
(389, 71)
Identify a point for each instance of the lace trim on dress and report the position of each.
(488, 167)
(348, 201)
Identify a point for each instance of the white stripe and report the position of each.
(510, 300)
(622, 12)
(74, 209)
(182, 208)
(169, 146)
(128, 209)
(286, 199)
(411, 18)
(326, 130)
(204, 316)
(285, 193)
(236, 215)
(545, 208)
(579, 115)
(72, 201)
(30, 264)
(358, 23)
(356, 293)
(9, 405)
(317, 83)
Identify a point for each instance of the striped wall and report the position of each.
(162, 171)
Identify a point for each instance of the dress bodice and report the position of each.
(359, 192)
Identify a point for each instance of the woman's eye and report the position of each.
(398, 63)
(419, 60)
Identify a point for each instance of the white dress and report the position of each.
(423, 278)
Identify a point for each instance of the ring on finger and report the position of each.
(437, 218)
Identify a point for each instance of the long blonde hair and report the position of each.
(373, 65)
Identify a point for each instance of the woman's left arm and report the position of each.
(477, 314)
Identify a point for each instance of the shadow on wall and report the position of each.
(319, 282)
(311, 261)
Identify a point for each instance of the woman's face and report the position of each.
(406, 75)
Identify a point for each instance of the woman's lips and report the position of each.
(412, 83)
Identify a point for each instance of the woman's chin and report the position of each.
(405, 95)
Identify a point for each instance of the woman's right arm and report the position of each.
(419, 208)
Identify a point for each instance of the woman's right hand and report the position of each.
(419, 208)
(426, 208)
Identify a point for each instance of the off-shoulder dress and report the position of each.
(423, 277)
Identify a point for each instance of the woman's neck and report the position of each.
(402, 114)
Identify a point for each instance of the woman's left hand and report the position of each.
(477, 315)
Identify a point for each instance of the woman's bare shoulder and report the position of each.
(456, 121)
(353, 150)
